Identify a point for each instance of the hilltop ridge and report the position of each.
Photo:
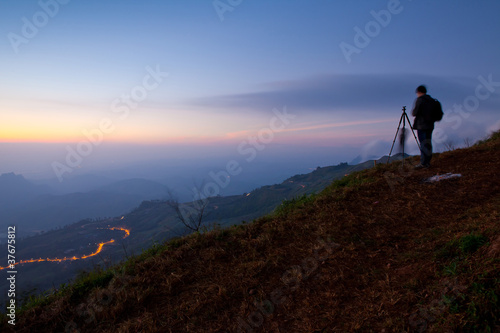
(152, 221)
(376, 250)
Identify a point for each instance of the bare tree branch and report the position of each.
(189, 214)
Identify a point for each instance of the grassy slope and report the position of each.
(376, 250)
(153, 221)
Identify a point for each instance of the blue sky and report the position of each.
(68, 65)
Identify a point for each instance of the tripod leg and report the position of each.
(416, 140)
(395, 137)
(404, 134)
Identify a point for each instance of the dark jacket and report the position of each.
(422, 111)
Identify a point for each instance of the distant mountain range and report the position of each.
(38, 207)
(16, 191)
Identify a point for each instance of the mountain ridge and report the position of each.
(23, 202)
(151, 221)
(376, 250)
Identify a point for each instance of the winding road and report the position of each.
(99, 249)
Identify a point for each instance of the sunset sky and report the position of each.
(212, 74)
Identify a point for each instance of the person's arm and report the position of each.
(416, 107)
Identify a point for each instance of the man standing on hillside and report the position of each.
(424, 124)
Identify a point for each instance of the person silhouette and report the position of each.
(424, 124)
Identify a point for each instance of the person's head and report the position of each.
(421, 90)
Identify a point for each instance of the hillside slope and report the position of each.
(151, 222)
(377, 251)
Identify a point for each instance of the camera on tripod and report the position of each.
(402, 132)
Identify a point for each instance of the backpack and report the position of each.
(437, 110)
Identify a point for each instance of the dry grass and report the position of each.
(378, 252)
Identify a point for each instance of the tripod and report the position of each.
(404, 118)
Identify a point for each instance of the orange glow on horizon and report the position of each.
(14, 136)
(46, 135)
(99, 249)
(23, 137)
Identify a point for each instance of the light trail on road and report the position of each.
(99, 249)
